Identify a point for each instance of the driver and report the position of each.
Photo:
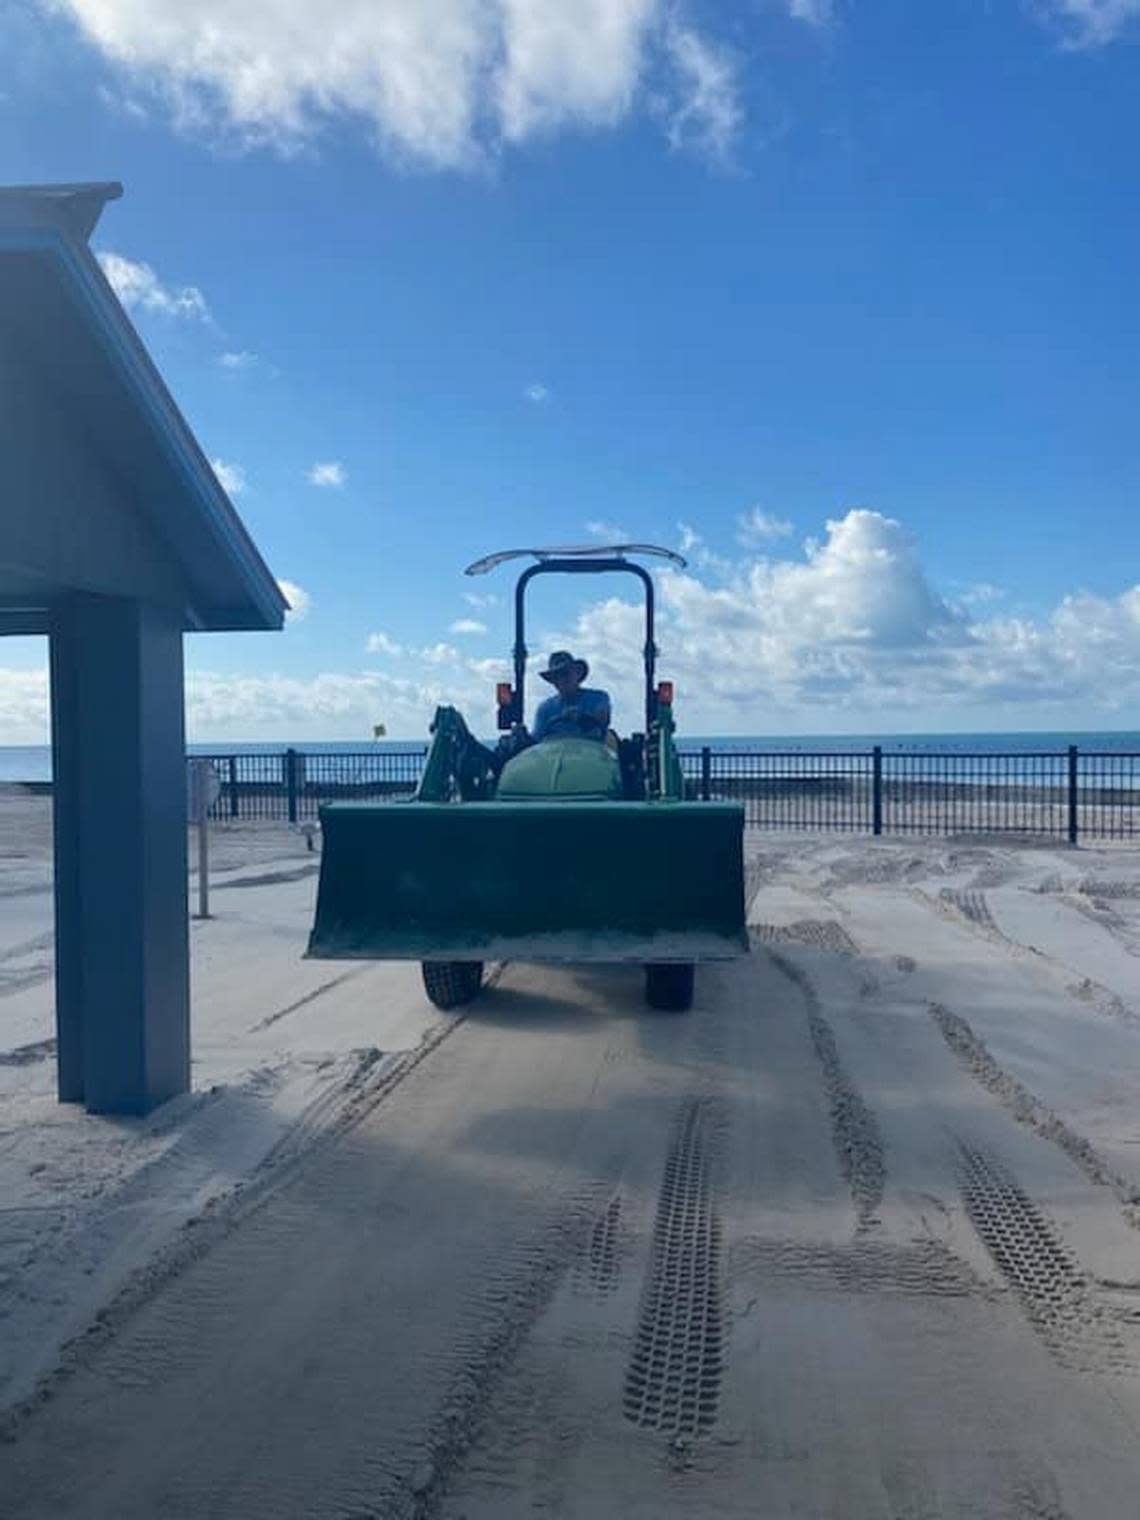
(575, 711)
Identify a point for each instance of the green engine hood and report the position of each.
(577, 768)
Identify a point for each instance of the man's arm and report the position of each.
(597, 713)
(542, 719)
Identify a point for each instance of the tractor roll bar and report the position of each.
(583, 567)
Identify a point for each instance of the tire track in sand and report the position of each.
(969, 910)
(975, 1056)
(854, 1129)
(503, 1311)
(1056, 1294)
(338, 1111)
(672, 1383)
(816, 933)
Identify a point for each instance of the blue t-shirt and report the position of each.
(585, 715)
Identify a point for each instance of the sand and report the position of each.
(859, 1236)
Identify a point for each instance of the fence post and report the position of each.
(1072, 794)
(233, 787)
(291, 782)
(706, 773)
(877, 789)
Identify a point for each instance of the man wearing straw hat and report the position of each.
(574, 711)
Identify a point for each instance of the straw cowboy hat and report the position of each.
(562, 660)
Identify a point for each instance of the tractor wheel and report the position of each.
(449, 984)
(669, 986)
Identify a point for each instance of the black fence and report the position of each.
(1060, 794)
(292, 785)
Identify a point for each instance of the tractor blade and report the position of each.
(541, 881)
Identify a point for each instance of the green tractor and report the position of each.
(567, 850)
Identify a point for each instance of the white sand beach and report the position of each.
(918, 1018)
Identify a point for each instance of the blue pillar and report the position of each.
(122, 944)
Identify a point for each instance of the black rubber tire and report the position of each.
(450, 984)
(669, 985)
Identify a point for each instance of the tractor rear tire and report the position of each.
(669, 986)
(450, 984)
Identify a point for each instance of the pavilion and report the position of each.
(115, 539)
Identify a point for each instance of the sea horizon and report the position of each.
(32, 762)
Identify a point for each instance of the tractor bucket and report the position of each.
(532, 881)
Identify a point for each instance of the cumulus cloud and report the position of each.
(1092, 23)
(537, 393)
(332, 705)
(331, 473)
(298, 598)
(855, 625)
(444, 84)
(137, 285)
(757, 527)
(467, 626)
(383, 643)
(231, 476)
(847, 633)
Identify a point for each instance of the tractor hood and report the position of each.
(570, 768)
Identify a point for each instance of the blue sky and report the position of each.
(840, 296)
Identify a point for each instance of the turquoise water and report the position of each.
(33, 762)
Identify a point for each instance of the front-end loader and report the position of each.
(566, 850)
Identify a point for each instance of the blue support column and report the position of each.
(122, 944)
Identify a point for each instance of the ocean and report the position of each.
(32, 762)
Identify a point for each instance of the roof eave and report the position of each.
(53, 233)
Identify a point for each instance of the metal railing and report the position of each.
(1061, 794)
(292, 784)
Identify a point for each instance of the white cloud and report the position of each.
(854, 626)
(475, 599)
(331, 473)
(442, 83)
(440, 654)
(848, 634)
(758, 526)
(698, 553)
(467, 626)
(705, 114)
(138, 285)
(231, 476)
(489, 671)
(238, 359)
(337, 705)
(1092, 23)
(608, 532)
(383, 643)
(688, 537)
(331, 705)
(24, 706)
(298, 598)
(537, 393)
